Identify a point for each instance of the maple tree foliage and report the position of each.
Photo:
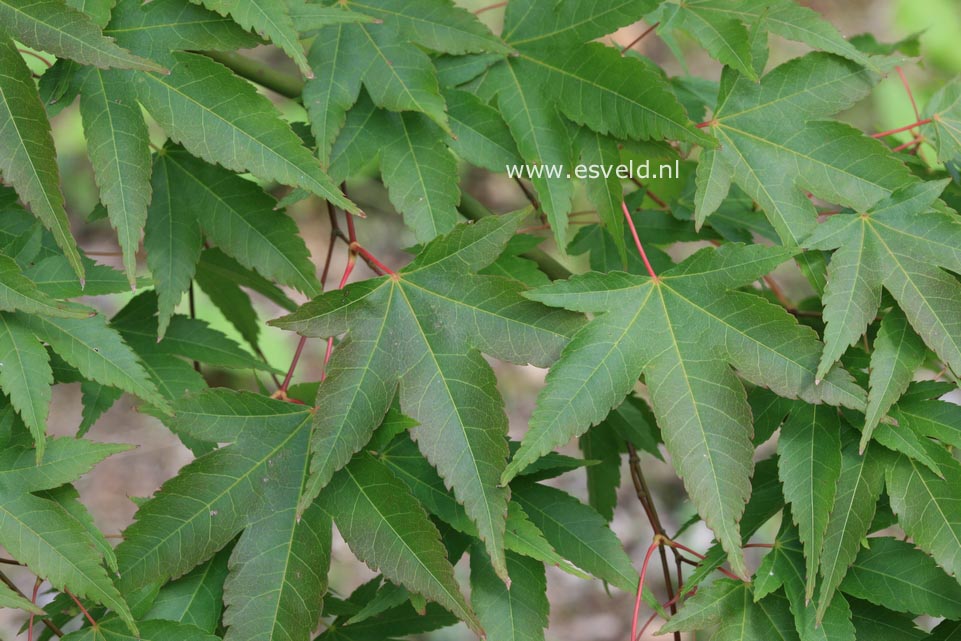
(654, 348)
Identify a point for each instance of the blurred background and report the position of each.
(580, 609)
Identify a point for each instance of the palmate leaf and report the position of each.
(119, 146)
(243, 134)
(578, 533)
(389, 530)
(897, 355)
(542, 139)
(156, 630)
(29, 160)
(944, 110)
(421, 176)
(729, 605)
(335, 86)
(775, 147)
(97, 351)
(196, 598)
(720, 26)
(215, 497)
(424, 329)
(900, 244)
(440, 26)
(900, 577)
(927, 509)
(50, 25)
(569, 21)
(269, 18)
(239, 218)
(10, 599)
(594, 85)
(809, 465)
(88, 344)
(858, 490)
(156, 28)
(514, 613)
(19, 293)
(786, 565)
(41, 534)
(682, 332)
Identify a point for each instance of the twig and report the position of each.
(644, 496)
(33, 599)
(193, 314)
(891, 132)
(37, 56)
(633, 42)
(490, 7)
(82, 609)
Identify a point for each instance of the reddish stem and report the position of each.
(910, 143)
(907, 88)
(706, 123)
(680, 546)
(637, 241)
(666, 605)
(633, 42)
(351, 261)
(293, 363)
(38, 57)
(656, 543)
(496, 5)
(891, 132)
(370, 258)
(760, 545)
(82, 609)
(33, 599)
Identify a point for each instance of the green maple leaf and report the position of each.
(683, 330)
(88, 344)
(729, 606)
(424, 330)
(557, 71)
(119, 148)
(196, 598)
(785, 566)
(269, 18)
(776, 146)
(927, 509)
(51, 25)
(174, 531)
(389, 530)
(278, 566)
(244, 134)
(29, 161)
(194, 197)
(45, 536)
(437, 25)
(158, 27)
(855, 502)
(721, 27)
(900, 244)
(809, 466)
(156, 630)
(19, 293)
(900, 577)
(508, 613)
(944, 110)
